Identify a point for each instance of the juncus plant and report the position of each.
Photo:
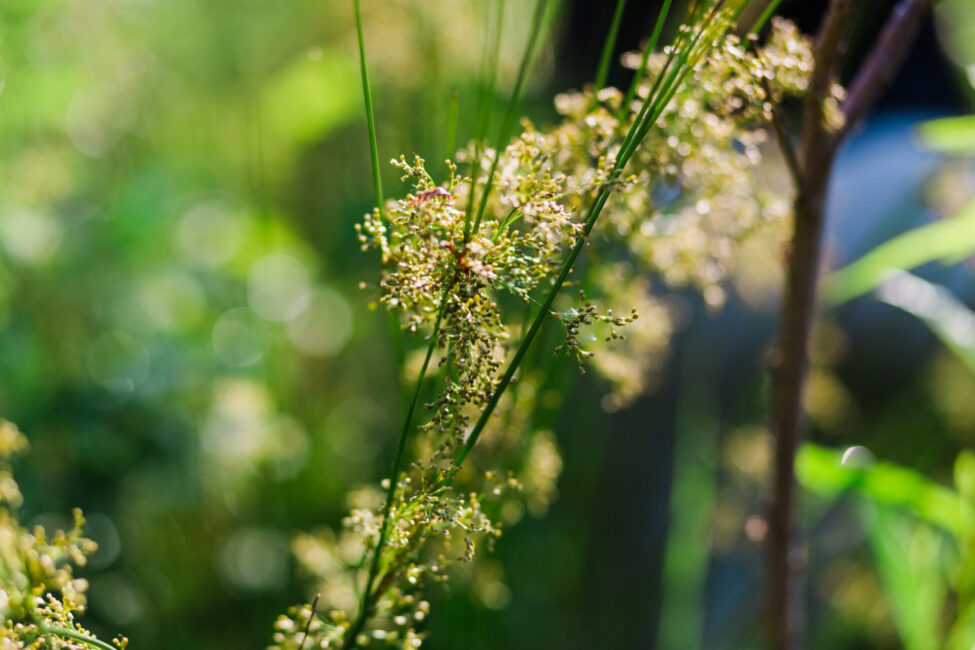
(661, 179)
(662, 176)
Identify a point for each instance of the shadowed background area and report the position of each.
(184, 342)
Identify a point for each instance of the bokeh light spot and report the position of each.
(30, 236)
(210, 233)
(254, 559)
(278, 287)
(325, 325)
(172, 300)
(239, 337)
(96, 118)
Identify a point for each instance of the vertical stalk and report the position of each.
(377, 185)
(452, 125)
(692, 499)
(789, 360)
(399, 352)
(789, 363)
(368, 594)
(648, 50)
(490, 60)
(509, 119)
(608, 47)
(817, 151)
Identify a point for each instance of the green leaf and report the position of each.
(900, 506)
(822, 471)
(952, 135)
(956, 32)
(946, 316)
(949, 239)
(907, 557)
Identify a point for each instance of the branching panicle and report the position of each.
(675, 179)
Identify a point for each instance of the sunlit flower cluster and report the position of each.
(691, 196)
(39, 596)
(444, 524)
(695, 194)
(467, 261)
(443, 266)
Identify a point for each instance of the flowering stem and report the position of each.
(653, 106)
(311, 617)
(369, 595)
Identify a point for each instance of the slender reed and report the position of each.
(452, 125)
(608, 47)
(369, 593)
(377, 184)
(490, 61)
(651, 46)
(765, 17)
(509, 119)
(399, 350)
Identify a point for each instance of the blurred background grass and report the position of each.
(184, 343)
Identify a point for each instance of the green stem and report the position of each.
(92, 642)
(370, 115)
(765, 17)
(452, 125)
(490, 58)
(399, 353)
(608, 47)
(652, 108)
(367, 597)
(651, 45)
(509, 121)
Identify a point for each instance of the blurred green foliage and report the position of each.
(922, 538)
(948, 240)
(182, 340)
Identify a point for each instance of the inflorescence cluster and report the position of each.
(40, 598)
(462, 269)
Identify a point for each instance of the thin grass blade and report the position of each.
(608, 47)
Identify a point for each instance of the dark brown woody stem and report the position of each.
(817, 150)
